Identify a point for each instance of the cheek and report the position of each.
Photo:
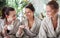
(32, 14)
(28, 14)
(49, 13)
(14, 18)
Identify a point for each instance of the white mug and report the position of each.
(10, 27)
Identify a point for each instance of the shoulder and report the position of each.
(38, 22)
(17, 20)
(45, 22)
(24, 21)
(1, 20)
(58, 16)
(37, 19)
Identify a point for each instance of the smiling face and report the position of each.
(29, 13)
(52, 8)
(11, 16)
(50, 11)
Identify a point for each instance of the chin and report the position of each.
(28, 18)
(14, 19)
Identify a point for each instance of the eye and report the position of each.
(14, 15)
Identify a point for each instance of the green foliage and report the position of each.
(2, 4)
(17, 4)
(0, 13)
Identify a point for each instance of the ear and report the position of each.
(7, 16)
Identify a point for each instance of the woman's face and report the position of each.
(50, 11)
(11, 16)
(29, 13)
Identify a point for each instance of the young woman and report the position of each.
(50, 26)
(9, 23)
(30, 26)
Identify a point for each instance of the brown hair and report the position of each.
(53, 4)
(30, 6)
(6, 10)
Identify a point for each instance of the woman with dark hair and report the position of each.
(9, 23)
(30, 26)
(50, 26)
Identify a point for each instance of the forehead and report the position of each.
(12, 12)
(48, 7)
(27, 9)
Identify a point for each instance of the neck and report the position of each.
(31, 19)
(8, 22)
(54, 16)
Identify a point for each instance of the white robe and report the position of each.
(47, 30)
(13, 31)
(33, 32)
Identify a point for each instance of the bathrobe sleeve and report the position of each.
(36, 28)
(42, 31)
(31, 33)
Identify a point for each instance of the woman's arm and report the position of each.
(22, 29)
(4, 31)
(20, 32)
(29, 33)
(42, 31)
(37, 27)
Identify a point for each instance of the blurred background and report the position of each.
(39, 5)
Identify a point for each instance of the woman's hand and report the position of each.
(5, 27)
(4, 31)
(21, 27)
(6, 37)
